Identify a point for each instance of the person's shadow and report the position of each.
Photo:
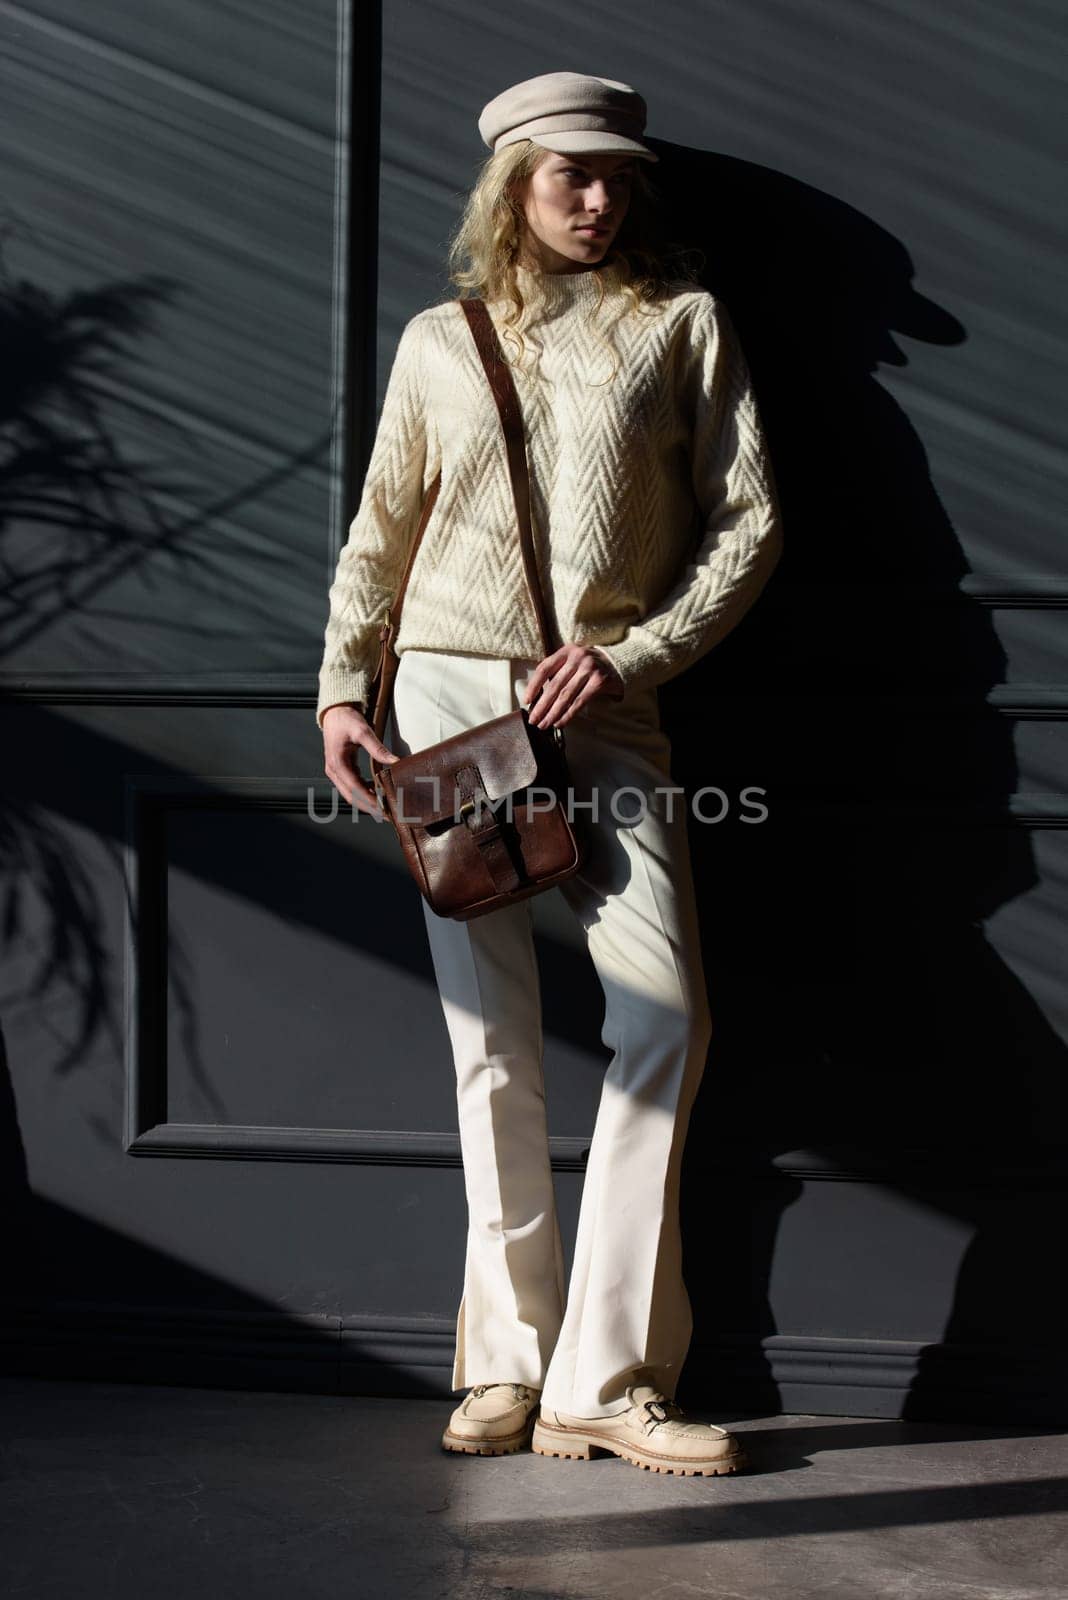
(863, 1022)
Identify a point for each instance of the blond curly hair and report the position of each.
(641, 268)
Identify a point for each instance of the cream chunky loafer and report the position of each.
(653, 1434)
(494, 1419)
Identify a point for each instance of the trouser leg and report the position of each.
(628, 1316)
(487, 976)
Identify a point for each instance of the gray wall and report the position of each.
(228, 1109)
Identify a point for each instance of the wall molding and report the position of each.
(1014, 592)
(380, 1147)
(412, 1357)
(148, 1133)
(927, 1170)
(298, 691)
(293, 689)
(353, 385)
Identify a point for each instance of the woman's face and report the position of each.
(573, 207)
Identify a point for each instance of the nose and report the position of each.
(597, 196)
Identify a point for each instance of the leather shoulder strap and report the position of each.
(511, 419)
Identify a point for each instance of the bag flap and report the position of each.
(501, 750)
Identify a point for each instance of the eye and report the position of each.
(577, 172)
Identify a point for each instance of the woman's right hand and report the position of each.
(345, 729)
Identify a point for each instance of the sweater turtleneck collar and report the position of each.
(562, 290)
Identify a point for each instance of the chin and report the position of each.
(591, 247)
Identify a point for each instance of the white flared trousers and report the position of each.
(626, 1316)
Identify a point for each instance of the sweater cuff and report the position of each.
(602, 651)
(628, 657)
(341, 686)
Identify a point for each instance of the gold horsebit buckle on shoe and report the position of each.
(518, 1389)
(661, 1409)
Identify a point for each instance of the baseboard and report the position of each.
(412, 1357)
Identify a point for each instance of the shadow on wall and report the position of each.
(857, 1005)
(82, 1300)
(860, 1011)
(73, 511)
(76, 511)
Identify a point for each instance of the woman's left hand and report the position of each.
(565, 681)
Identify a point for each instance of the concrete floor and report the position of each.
(124, 1490)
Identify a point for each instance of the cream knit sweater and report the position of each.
(655, 512)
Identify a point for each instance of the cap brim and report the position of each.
(587, 141)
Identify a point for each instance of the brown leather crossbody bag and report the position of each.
(482, 817)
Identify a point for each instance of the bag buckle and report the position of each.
(482, 830)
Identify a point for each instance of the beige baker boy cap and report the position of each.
(569, 112)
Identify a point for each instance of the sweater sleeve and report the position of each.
(741, 526)
(372, 560)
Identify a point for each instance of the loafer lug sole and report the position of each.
(569, 1443)
(506, 1445)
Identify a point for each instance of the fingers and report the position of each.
(345, 733)
(561, 695)
(355, 791)
(534, 698)
(562, 684)
(374, 747)
(549, 680)
(588, 691)
(346, 779)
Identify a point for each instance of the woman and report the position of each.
(657, 521)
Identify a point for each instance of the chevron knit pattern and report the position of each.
(655, 511)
